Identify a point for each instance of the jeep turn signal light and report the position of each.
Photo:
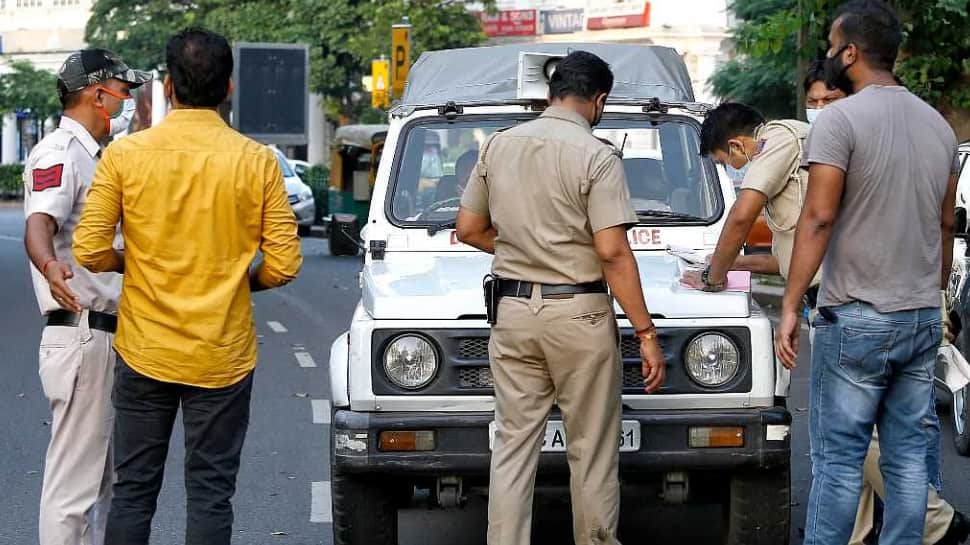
(727, 437)
(406, 441)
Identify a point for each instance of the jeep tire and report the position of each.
(758, 511)
(364, 509)
(344, 233)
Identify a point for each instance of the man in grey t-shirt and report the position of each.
(879, 208)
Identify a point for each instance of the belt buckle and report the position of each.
(518, 288)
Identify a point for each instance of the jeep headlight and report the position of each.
(712, 359)
(410, 362)
(305, 195)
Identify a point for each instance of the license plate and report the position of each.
(555, 439)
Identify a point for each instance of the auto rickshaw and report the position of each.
(355, 155)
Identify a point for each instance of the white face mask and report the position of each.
(122, 119)
(812, 114)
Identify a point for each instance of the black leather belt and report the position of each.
(811, 297)
(516, 288)
(96, 320)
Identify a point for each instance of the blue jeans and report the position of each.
(871, 368)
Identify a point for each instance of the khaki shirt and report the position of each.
(547, 186)
(57, 178)
(778, 172)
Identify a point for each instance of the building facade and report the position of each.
(697, 29)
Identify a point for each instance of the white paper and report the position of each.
(687, 254)
(957, 369)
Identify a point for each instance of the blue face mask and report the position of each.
(811, 114)
(738, 173)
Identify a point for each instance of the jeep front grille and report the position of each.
(475, 348)
(475, 377)
(630, 348)
(481, 377)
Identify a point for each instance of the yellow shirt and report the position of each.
(198, 200)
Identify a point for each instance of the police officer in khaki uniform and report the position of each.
(775, 178)
(76, 360)
(551, 202)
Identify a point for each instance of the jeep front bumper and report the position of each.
(462, 442)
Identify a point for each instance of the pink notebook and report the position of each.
(736, 281)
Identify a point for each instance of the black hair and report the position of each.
(815, 73)
(581, 74)
(200, 64)
(68, 99)
(728, 121)
(874, 28)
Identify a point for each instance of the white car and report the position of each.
(411, 385)
(300, 167)
(959, 294)
(299, 194)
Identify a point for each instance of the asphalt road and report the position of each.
(283, 490)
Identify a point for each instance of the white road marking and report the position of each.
(277, 327)
(321, 411)
(305, 359)
(320, 504)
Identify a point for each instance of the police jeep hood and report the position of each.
(448, 286)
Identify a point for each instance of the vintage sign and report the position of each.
(626, 14)
(511, 22)
(563, 21)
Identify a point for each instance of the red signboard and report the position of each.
(512, 22)
(620, 15)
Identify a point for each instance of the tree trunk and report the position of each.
(804, 58)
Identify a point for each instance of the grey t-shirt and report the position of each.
(898, 154)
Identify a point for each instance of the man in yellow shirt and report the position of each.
(198, 200)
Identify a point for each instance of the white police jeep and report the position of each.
(412, 391)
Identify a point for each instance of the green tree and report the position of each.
(138, 30)
(343, 35)
(774, 35)
(26, 88)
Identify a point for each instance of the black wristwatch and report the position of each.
(706, 280)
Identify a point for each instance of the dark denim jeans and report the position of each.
(871, 368)
(215, 423)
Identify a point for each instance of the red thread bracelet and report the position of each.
(43, 268)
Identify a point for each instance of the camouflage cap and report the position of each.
(92, 66)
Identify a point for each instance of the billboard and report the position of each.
(563, 21)
(509, 22)
(623, 14)
(270, 102)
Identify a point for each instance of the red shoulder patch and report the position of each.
(47, 178)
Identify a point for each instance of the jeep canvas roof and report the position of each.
(488, 75)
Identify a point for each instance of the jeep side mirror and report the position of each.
(960, 223)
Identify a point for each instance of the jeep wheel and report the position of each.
(759, 509)
(961, 421)
(364, 509)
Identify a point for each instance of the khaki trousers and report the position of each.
(562, 351)
(76, 367)
(939, 513)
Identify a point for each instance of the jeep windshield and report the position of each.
(670, 183)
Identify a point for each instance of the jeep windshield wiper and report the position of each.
(439, 227)
(666, 214)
